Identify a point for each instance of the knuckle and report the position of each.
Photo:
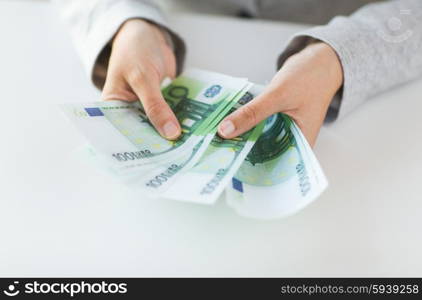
(249, 114)
(157, 111)
(154, 107)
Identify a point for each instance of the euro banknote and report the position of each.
(267, 172)
(204, 182)
(164, 174)
(280, 175)
(123, 136)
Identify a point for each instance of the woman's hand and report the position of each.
(302, 89)
(140, 59)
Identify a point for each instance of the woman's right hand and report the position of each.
(140, 59)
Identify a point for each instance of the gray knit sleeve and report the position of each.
(379, 46)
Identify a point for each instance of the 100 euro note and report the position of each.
(154, 178)
(124, 138)
(175, 171)
(280, 175)
(206, 180)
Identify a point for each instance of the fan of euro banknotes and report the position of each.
(268, 172)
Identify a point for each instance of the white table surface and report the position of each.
(61, 217)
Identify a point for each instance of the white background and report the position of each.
(61, 217)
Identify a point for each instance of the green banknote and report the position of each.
(122, 134)
(204, 182)
(164, 174)
(275, 170)
(279, 176)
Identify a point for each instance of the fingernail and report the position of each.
(170, 130)
(226, 128)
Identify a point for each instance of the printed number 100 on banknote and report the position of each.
(122, 133)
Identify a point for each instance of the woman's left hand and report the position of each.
(302, 89)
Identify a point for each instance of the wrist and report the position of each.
(326, 57)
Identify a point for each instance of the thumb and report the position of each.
(147, 88)
(248, 116)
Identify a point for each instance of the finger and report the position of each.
(248, 116)
(147, 88)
